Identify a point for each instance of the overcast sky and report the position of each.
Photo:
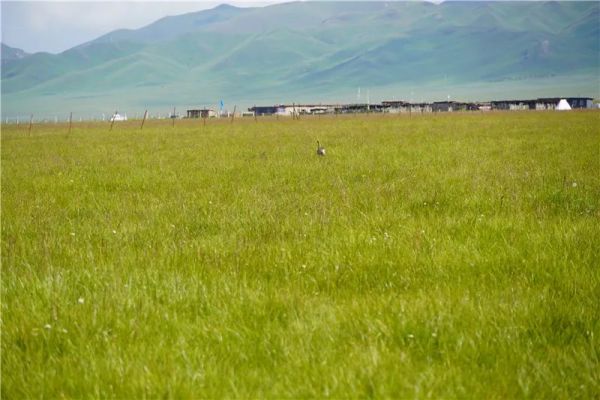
(55, 26)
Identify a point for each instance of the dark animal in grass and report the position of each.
(320, 149)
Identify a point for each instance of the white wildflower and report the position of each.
(47, 326)
(81, 300)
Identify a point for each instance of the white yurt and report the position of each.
(563, 105)
(118, 117)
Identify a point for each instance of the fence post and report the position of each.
(112, 121)
(144, 119)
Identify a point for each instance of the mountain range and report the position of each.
(317, 52)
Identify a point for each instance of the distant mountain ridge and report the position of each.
(319, 51)
(11, 53)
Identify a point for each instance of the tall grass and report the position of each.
(444, 256)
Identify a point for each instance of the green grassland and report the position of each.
(432, 256)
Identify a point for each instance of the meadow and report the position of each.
(432, 256)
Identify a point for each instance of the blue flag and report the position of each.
(222, 104)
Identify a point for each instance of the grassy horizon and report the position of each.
(445, 256)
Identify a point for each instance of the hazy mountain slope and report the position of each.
(11, 53)
(326, 49)
(171, 27)
(39, 68)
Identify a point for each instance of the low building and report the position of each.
(513, 105)
(574, 102)
(546, 103)
(263, 110)
(396, 106)
(287, 110)
(201, 113)
(400, 107)
(359, 108)
(311, 109)
(451, 106)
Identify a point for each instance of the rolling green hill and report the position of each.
(319, 51)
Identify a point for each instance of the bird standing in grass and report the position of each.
(320, 149)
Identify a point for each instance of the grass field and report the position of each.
(438, 256)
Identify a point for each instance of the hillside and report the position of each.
(319, 51)
(11, 53)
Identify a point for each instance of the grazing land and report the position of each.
(444, 256)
